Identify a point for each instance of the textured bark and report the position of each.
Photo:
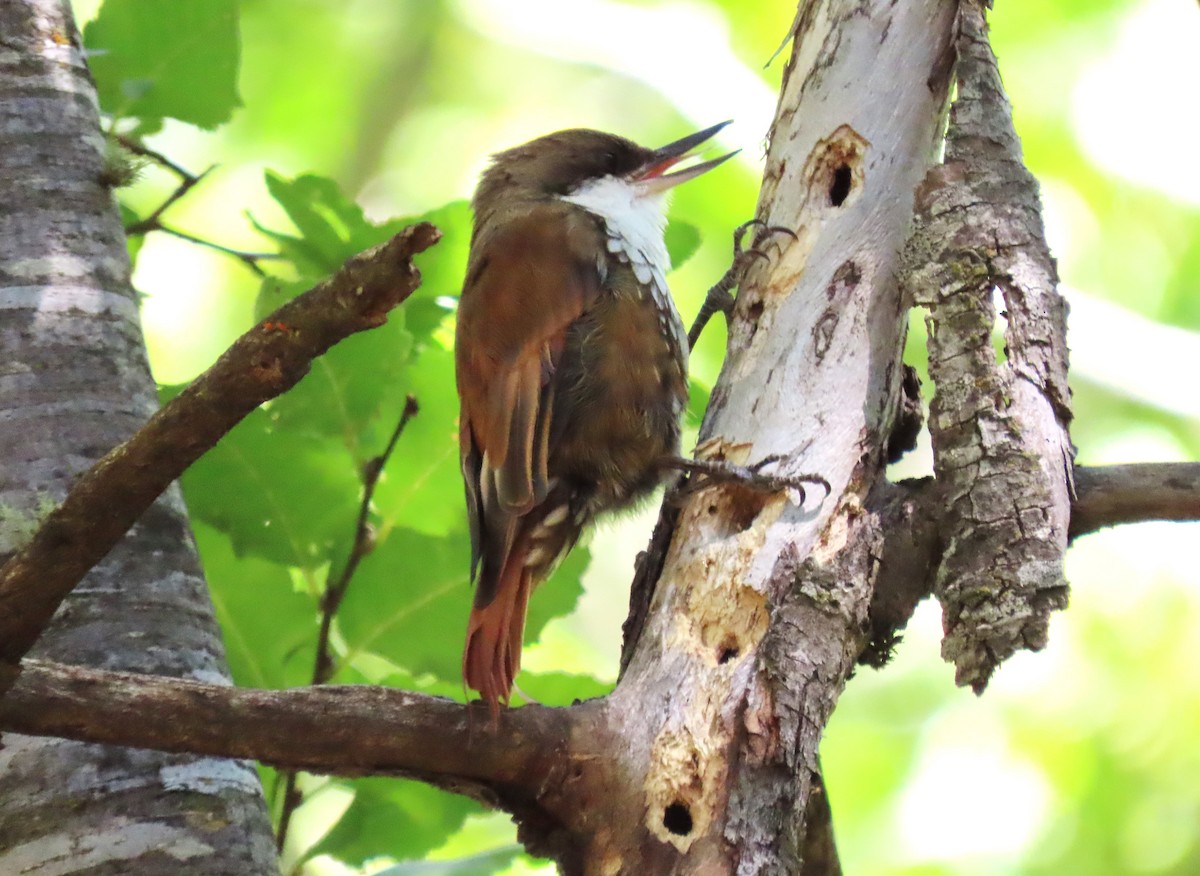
(761, 607)
(1002, 454)
(347, 730)
(73, 383)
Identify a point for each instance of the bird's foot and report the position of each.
(720, 297)
(712, 472)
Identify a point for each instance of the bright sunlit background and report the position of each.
(1083, 759)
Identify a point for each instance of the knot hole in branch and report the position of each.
(839, 190)
(834, 170)
(679, 802)
(677, 818)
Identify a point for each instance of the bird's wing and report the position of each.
(526, 283)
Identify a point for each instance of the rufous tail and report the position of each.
(495, 631)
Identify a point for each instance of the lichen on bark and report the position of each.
(998, 419)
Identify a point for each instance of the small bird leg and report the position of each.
(720, 298)
(719, 471)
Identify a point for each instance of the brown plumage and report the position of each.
(571, 366)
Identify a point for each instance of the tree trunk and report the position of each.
(761, 610)
(74, 382)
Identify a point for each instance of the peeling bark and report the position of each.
(1002, 454)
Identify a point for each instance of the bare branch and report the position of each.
(345, 730)
(760, 606)
(1109, 495)
(1105, 496)
(530, 764)
(266, 361)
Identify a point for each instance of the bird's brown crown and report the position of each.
(558, 163)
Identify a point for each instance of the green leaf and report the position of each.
(410, 599)
(561, 688)
(698, 398)
(444, 266)
(408, 602)
(166, 58)
(356, 391)
(351, 386)
(394, 817)
(682, 239)
(332, 227)
(268, 628)
(421, 488)
(133, 244)
(484, 864)
(281, 495)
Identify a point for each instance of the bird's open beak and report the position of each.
(652, 177)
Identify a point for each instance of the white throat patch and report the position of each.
(634, 224)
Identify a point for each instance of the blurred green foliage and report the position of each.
(361, 117)
(156, 59)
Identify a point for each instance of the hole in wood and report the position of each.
(835, 167)
(677, 818)
(743, 505)
(729, 651)
(839, 190)
(1000, 327)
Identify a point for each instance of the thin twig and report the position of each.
(335, 592)
(249, 259)
(187, 181)
(157, 157)
(151, 223)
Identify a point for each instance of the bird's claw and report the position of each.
(739, 234)
(763, 235)
(720, 298)
(714, 472)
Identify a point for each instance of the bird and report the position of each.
(570, 364)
